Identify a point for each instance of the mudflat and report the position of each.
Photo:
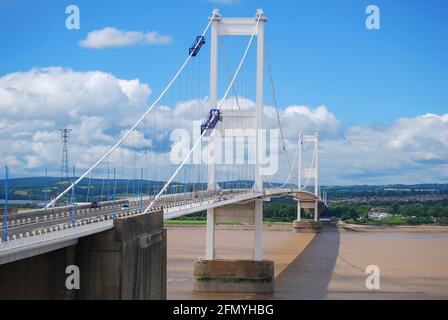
(330, 265)
(399, 228)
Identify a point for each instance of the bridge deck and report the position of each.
(41, 231)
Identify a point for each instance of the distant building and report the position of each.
(378, 214)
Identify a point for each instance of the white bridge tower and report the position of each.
(238, 27)
(308, 173)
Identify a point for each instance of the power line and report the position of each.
(65, 138)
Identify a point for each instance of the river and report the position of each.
(330, 265)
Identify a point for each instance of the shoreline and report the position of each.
(399, 228)
(281, 226)
(285, 226)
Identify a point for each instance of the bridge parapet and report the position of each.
(125, 261)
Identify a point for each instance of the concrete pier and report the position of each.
(304, 226)
(221, 275)
(226, 275)
(126, 262)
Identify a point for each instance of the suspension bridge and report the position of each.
(201, 146)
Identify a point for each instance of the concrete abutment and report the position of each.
(305, 226)
(126, 262)
(246, 276)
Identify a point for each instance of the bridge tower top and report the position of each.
(239, 27)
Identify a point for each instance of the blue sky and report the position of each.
(364, 76)
(321, 51)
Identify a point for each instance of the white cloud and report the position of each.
(99, 107)
(55, 92)
(307, 120)
(410, 150)
(110, 37)
(36, 103)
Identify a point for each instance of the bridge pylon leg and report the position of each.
(234, 275)
(307, 226)
(258, 230)
(210, 236)
(215, 274)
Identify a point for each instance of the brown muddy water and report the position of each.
(330, 265)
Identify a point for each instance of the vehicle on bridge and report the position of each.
(94, 205)
(125, 206)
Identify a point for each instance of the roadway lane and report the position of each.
(88, 213)
(45, 224)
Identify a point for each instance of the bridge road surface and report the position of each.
(106, 209)
(45, 224)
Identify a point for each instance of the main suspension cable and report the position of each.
(51, 203)
(229, 72)
(213, 117)
(274, 98)
(293, 165)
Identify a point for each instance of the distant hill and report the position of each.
(32, 188)
(336, 192)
